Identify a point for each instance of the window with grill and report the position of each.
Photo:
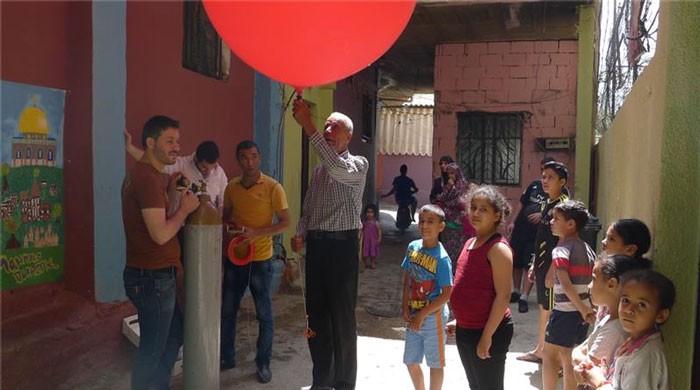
(489, 146)
(203, 50)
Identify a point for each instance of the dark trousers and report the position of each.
(258, 276)
(331, 295)
(485, 374)
(153, 293)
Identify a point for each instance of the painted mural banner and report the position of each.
(31, 178)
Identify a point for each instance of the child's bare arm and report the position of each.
(579, 354)
(404, 300)
(379, 232)
(431, 308)
(501, 259)
(549, 277)
(568, 287)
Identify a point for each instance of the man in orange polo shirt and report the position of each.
(153, 253)
(256, 205)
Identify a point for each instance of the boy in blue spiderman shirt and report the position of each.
(427, 285)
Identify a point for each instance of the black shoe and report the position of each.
(514, 297)
(227, 364)
(264, 374)
(522, 306)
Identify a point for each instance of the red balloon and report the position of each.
(309, 43)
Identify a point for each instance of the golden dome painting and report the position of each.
(31, 182)
(32, 120)
(33, 146)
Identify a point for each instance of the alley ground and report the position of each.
(76, 346)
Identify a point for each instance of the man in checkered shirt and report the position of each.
(329, 224)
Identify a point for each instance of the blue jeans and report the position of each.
(258, 276)
(153, 293)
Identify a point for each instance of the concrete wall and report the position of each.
(108, 116)
(218, 110)
(50, 44)
(586, 90)
(650, 169)
(348, 99)
(157, 83)
(268, 134)
(419, 169)
(538, 77)
(636, 132)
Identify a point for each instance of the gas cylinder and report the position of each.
(202, 253)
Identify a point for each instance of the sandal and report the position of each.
(529, 357)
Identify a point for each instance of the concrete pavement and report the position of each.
(380, 341)
(77, 344)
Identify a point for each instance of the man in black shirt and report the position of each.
(522, 240)
(403, 188)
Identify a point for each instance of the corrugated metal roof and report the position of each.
(406, 130)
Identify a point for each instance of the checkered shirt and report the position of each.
(333, 201)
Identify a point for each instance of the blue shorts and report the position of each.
(429, 341)
(566, 329)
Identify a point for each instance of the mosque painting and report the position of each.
(31, 213)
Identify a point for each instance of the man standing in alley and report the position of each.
(329, 224)
(404, 189)
(153, 253)
(256, 206)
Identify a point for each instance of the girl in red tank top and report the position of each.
(481, 292)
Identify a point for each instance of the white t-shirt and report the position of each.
(606, 336)
(216, 181)
(643, 369)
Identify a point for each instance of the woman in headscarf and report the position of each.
(452, 199)
(441, 180)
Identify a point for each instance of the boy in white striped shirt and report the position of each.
(572, 263)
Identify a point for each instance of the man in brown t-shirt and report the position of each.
(153, 253)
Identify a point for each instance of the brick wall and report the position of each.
(538, 77)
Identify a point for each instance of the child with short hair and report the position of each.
(371, 236)
(554, 178)
(607, 334)
(646, 300)
(427, 285)
(573, 262)
(481, 293)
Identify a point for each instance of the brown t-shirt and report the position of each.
(146, 188)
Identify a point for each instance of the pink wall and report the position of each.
(419, 170)
(538, 77)
(50, 44)
(208, 109)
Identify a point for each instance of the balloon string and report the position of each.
(281, 123)
(291, 96)
(249, 318)
(308, 332)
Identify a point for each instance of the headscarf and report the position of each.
(448, 160)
